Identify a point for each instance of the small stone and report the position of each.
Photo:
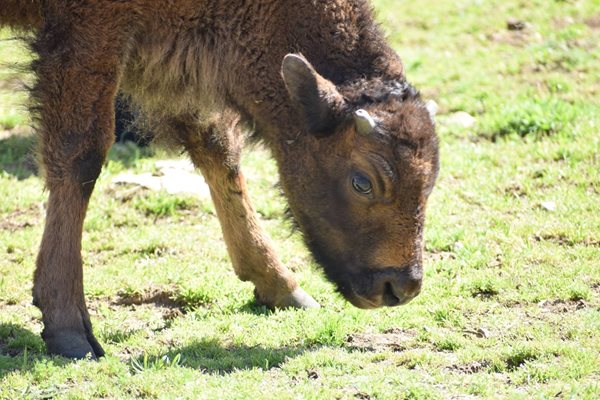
(462, 119)
(312, 374)
(515, 25)
(548, 205)
(432, 108)
(480, 332)
(483, 333)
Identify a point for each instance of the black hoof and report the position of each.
(297, 299)
(75, 345)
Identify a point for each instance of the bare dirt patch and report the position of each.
(593, 22)
(472, 367)
(433, 256)
(515, 190)
(392, 339)
(565, 241)
(557, 306)
(145, 312)
(517, 33)
(151, 309)
(23, 218)
(561, 22)
(161, 297)
(563, 306)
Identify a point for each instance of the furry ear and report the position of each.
(315, 98)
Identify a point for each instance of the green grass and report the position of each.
(12, 95)
(511, 300)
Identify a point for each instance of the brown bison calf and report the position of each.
(354, 143)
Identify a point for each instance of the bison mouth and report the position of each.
(369, 288)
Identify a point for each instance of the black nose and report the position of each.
(401, 285)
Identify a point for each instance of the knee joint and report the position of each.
(86, 169)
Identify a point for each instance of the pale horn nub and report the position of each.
(364, 122)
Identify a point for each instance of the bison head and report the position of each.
(357, 178)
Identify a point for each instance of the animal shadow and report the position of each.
(20, 349)
(211, 356)
(253, 307)
(17, 155)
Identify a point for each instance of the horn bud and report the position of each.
(364, 122)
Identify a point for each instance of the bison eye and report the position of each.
(362, 184)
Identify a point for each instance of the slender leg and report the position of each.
(75, 92)
(215, 149)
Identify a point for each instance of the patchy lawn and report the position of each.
(511, 299)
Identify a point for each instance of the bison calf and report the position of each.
(354, 143)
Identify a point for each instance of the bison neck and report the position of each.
(193, 55)
(339, 38)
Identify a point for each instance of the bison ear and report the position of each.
(315, 98)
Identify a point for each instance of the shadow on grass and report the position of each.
(128, 153)
(20, 349)
(253, 307)
(17, 155)
(209, 355)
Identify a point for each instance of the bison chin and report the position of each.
(369, 288)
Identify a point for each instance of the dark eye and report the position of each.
(362, 184)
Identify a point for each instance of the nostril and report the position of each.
(399, 286)
(412, 288)
(389, 296)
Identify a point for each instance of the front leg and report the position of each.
(78, 69)
(215, 149)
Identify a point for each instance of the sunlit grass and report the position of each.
(510, 306)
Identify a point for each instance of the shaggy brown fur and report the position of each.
(202, 69)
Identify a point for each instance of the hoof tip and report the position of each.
(298, 299)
